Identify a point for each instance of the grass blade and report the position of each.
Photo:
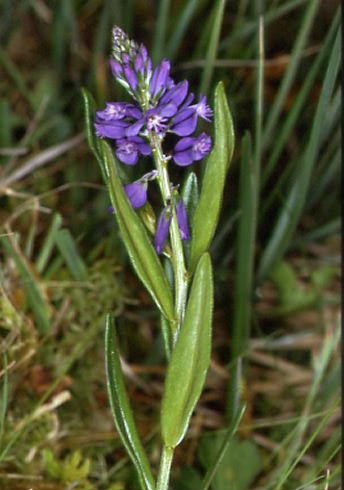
(160, 31)
(48, 244)
(299, 103)
(292, 209)
(69, 251)
(181, 27)
(213, 47)
(288, 79)
(34, 292)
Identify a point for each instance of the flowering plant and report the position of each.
(162, 107)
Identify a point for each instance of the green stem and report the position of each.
(165, 468)
(178, 262)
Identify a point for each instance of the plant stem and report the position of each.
(165, 468)
(178, 262)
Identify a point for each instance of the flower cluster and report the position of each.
(160, 106)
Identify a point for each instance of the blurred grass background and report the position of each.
(276, 253)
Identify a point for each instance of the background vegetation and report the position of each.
(276, 254)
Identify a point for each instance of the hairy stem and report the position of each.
(165, 468)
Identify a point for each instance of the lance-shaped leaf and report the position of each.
(213, 183)
(190, 194)
(135, 237)
(121, 409)
(190, 358)
(141, 252)
(89, 108)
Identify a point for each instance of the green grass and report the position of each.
(276, 254)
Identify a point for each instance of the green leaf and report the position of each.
(140, 249)
(89, 108)
(135, 237)
(121, 409)
(209, 205)
(190, 358)
(240, 463)
(222, 450)
(190, 194)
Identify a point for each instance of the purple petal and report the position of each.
(183, 158)
(111, 129)
(167, 110)
(183, 221)
(116, 68)
(160, 77)
(144, 148)
(184, 123)
(162, 231)
(184, 143)
(139, 63)
(137, 194)
(131, 76)
(176, 94)
(133, 111)
(127, 158)
(135, 128)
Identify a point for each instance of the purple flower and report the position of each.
(113, 121)
(162, 230)
(157, 119)
(189, 149)
(118, 110)
(129, 149)
(137, 193)
(161, 106)
(183, 221)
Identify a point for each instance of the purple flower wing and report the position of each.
(183, 220)
(111, 129)
(184, 123)
(184, 143)
(159, 77)
(137, 194)
(144, 147)
(131, 76)
(176, 94)
(162, 232)
(135, 128)
(167, 110)
(183, 158)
